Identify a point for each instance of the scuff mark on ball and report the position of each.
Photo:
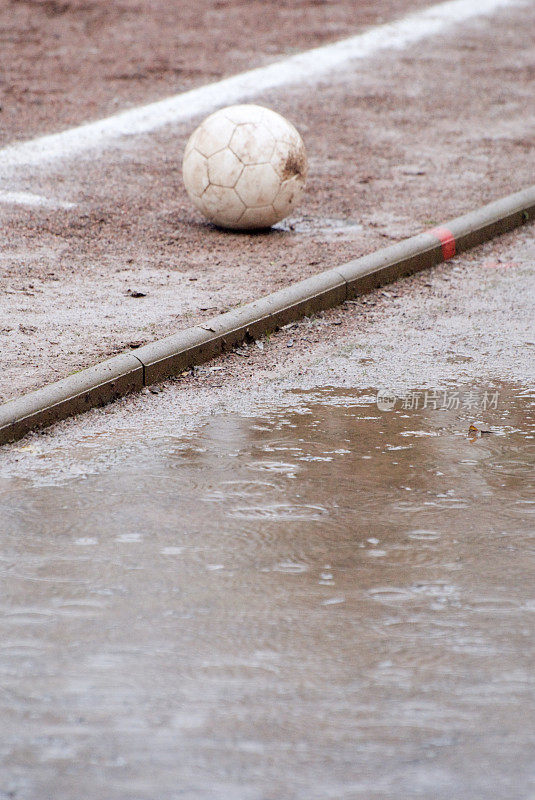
(295, 164)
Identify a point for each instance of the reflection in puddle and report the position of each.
(340, 600)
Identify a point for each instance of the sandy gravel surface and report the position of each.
(464, 325)
(397, 145)
(63, 62)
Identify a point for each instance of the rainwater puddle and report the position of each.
(325, 228)
(288, 604)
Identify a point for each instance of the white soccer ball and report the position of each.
(245, 167)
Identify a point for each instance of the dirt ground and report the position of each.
(398, 144)
(67, 61)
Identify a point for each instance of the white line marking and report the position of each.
(30, 199)
(307, 67)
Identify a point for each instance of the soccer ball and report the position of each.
(245, 167)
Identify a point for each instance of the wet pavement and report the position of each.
(316, 598)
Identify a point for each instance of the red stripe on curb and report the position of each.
(447, 240)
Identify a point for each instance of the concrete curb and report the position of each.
(163, 358)
(87, 389)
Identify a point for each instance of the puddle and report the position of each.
(308, 596)
(326, 228)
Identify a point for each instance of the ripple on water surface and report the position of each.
(322, 588)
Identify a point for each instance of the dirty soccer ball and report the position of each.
(245, 167)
